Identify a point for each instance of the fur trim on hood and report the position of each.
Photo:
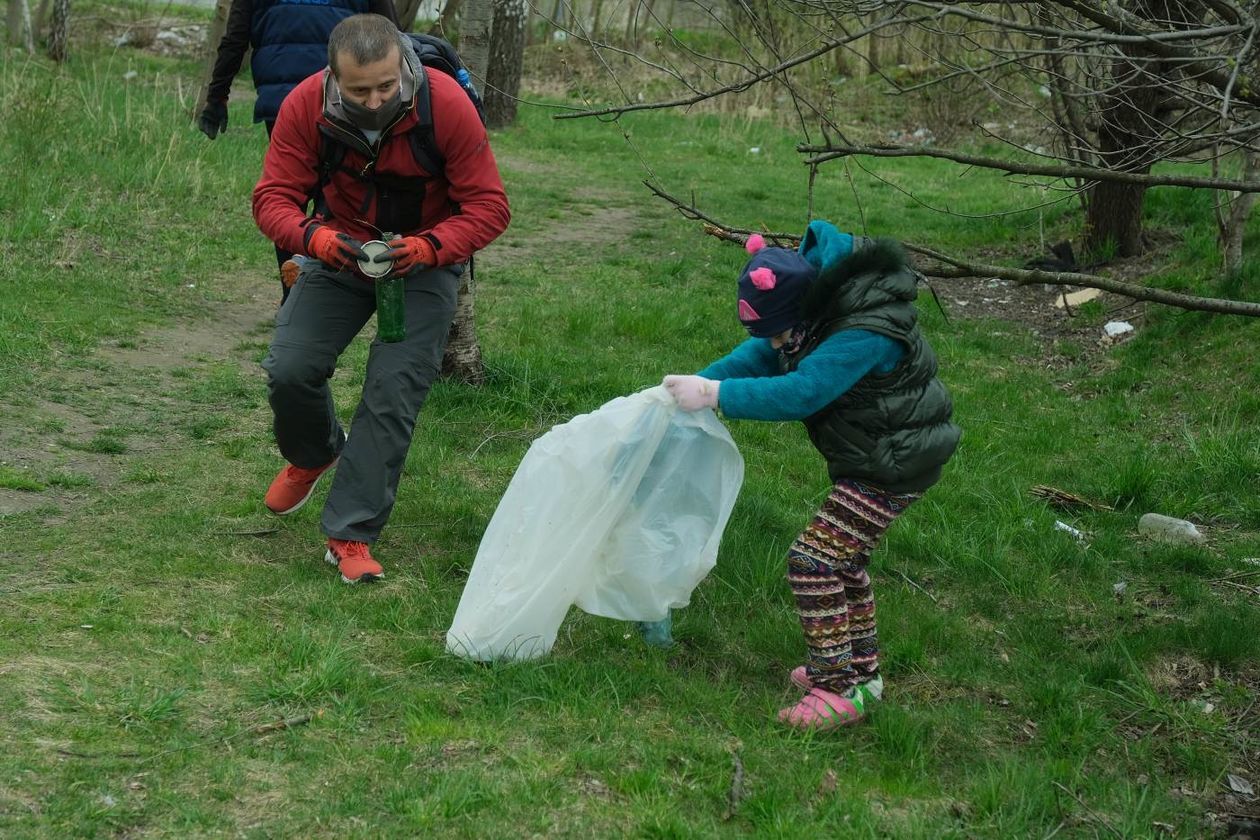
(879, 268)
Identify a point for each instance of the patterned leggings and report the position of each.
(827, 573)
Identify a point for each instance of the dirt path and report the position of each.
(95, 417)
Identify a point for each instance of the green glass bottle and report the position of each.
(391, 305)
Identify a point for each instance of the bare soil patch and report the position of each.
(63, 433)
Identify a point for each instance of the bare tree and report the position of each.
(1128, 86)
(1232, 211)
(19, 22)
(407, 11)
(1121, 95)
(59, 36)
(507, 53)
(462, 360)
(214, 34)
(445, 23)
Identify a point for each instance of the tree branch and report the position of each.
(718, 229)
(1023, 277)
(742, 84)
(1116, 20)
(1058, 170)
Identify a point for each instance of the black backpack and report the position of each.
(433, 52)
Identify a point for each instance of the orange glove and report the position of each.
(336, 250)
(407, 253)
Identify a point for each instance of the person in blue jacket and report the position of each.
(289, 39)
(835, 343)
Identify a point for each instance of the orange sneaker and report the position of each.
(292, 486)
(354, 560)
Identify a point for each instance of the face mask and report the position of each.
(373, 120)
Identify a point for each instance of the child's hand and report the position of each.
(692, 393)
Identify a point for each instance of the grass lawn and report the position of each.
(157, 629)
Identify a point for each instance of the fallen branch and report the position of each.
(261, 729)
(1090, 811)
(1023, 277)
(1065, 500)
(964, 268)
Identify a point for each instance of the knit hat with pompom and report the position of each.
(771, 288)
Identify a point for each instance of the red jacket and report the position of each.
(471, 180)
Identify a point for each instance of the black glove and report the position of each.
(213, 119)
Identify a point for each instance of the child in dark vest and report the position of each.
(835, 343)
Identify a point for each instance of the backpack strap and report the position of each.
(422, 138)
(331, 153)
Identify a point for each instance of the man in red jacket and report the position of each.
(366, 101)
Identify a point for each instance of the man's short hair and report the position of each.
(364, 38)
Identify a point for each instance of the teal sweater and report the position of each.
(754, 387)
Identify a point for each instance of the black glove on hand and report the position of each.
(213, 120)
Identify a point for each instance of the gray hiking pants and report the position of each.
(325, 310)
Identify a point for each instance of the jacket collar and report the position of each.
(413, 78)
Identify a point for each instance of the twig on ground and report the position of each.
(1063, 499)
(261, 729)
(907, 579)
(1235, 576)
(736, 793)
(1090, 811)
(77, 754)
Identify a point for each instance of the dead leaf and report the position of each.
(1239, 785)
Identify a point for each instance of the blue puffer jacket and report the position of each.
(290, 39)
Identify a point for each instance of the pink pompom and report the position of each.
(755, 243)
(763, 278)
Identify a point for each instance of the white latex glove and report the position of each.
(692, 393)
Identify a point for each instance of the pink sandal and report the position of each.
(821, 710)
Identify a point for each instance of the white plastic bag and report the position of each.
(619, 511)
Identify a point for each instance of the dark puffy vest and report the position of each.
(290, 42)
(890, 430)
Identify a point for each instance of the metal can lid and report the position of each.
(373, 248)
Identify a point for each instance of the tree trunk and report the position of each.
(218, 25)
(475, 30)
(873, 53)
(597, 21)
(463, 355)
(1113, 221)
(1235, 222)
(1130, 116)
(552, 22)
(507, 52)
(407, 11)
(446, 21)
(19, 22)
(462, 361)
(59, 38)
(631, 40)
